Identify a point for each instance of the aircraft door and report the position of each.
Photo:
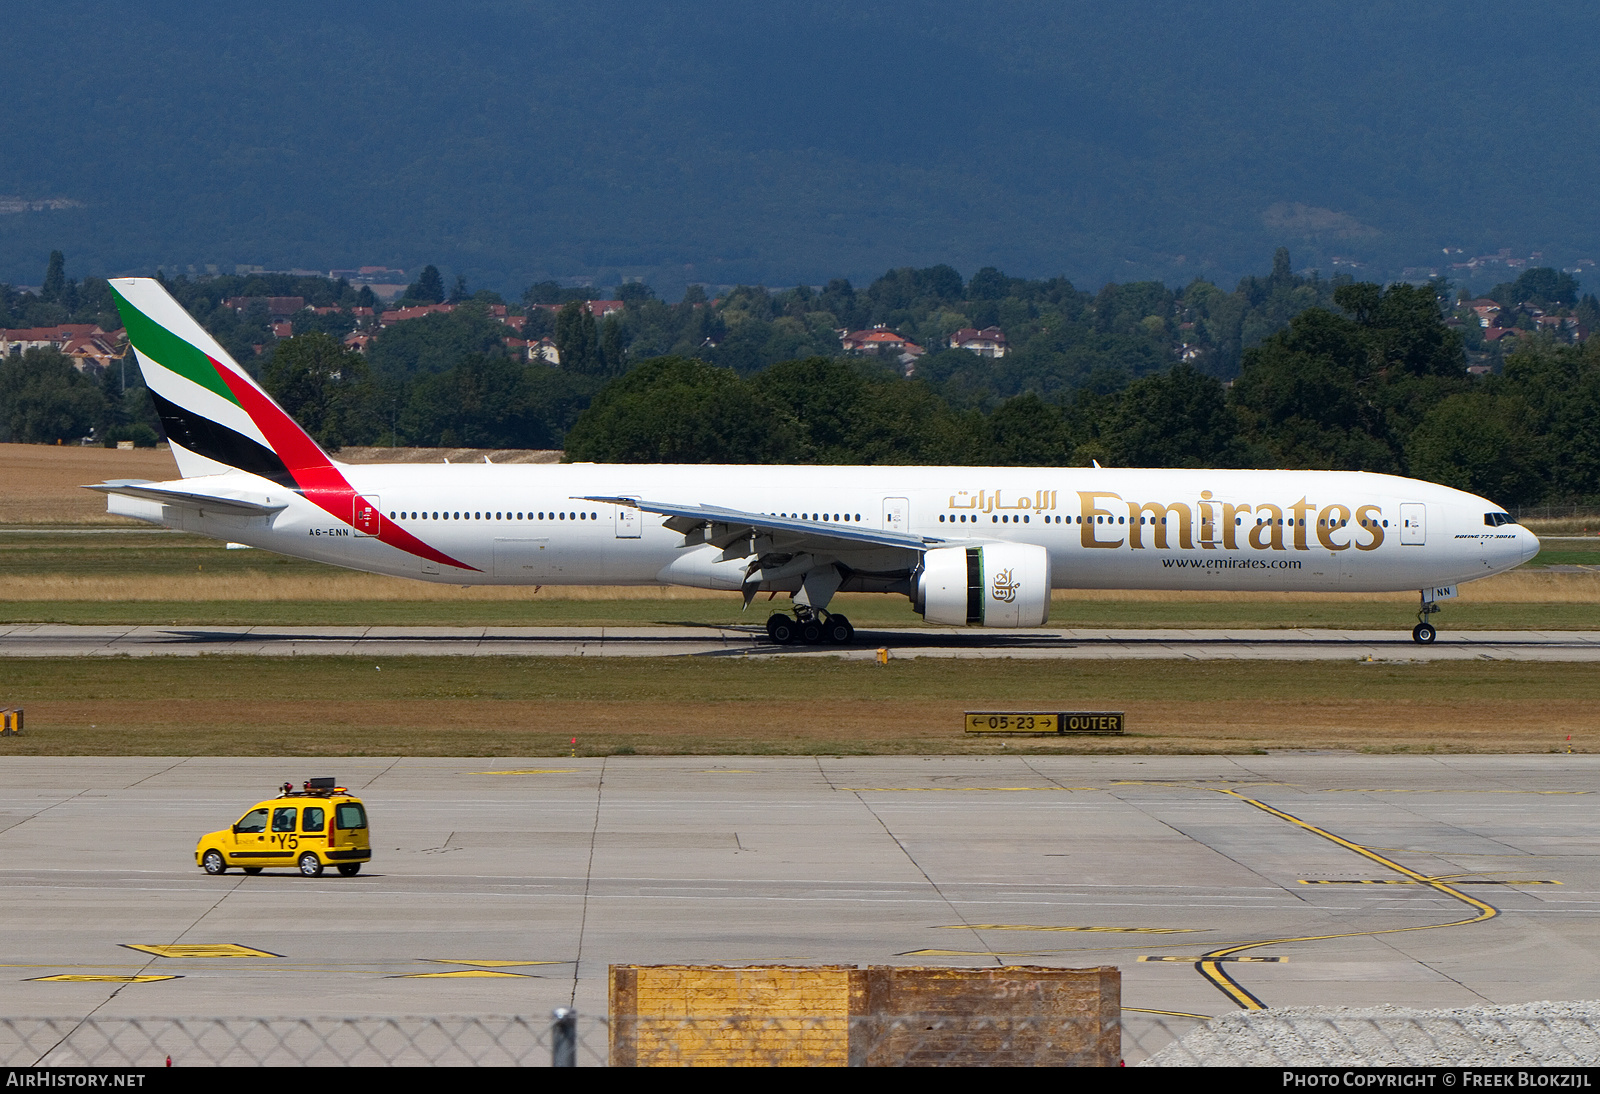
(896, 514)
(627, 522)
(1413, 523)
(368, 517)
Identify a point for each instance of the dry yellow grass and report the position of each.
(1513, 588)
(43, 484)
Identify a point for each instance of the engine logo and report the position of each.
(1004, 589)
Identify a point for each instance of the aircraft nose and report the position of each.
(1528, 542)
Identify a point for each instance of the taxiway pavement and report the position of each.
(508, 886)
(62, 640)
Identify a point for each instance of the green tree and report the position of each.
(44, 399)
(679, 410)
(1477, 443)
(323, 386)
(577, 340)
(55, 277)
(1179, 418)
(428, 288)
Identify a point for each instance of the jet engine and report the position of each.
(995, 585)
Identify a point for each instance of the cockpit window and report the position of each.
(1495, 520)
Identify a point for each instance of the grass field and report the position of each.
(333, 706)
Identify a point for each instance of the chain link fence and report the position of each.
(1557, 1035)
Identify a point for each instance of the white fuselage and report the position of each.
(1103, 528)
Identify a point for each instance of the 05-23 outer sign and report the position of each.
(1038, 721)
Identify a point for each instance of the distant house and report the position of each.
(91, 349)
(544, 349)
(988, 342)
(878, 341)
(1495, 334)
(597, 308)
(400, 315)
(278, 307)
(358, 341)
(283, 329)
(1485, 310)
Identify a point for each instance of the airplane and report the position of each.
(970, 546)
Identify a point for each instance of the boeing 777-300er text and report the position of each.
(979, 546)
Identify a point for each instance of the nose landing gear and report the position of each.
(810, 628)
(1424, 633)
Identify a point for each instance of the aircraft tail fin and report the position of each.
(215, 415)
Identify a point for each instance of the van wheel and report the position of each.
(251, 870)
(310, 865)
(349, 869)
(214, 863)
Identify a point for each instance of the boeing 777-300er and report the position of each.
(980, 546)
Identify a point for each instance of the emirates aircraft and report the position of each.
(978, 546)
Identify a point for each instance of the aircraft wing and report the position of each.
(722, 527)
(233, 503)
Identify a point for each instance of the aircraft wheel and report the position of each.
(838, 630)
(811, 632)
(783, 630)
(1423, 633)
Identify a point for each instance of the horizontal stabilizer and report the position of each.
(235, 502)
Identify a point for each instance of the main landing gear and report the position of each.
(810, 628)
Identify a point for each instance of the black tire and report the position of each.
(1424, 633)
(838, 630)
(310, 864)
(213, 862)
(349, 869)
(783, 630)
(811, 632)
(775, 620)
(251, 870)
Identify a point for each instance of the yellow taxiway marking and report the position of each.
(530, 771)
(488, 964)
(1190, 960)
(1457, 878)
(1088, 930)
(1431, 790)
(461, 974)
(85, 978)
(1009, 953)
(1169, 1013)
(949, 789)
(1210, 966)
(201, 949)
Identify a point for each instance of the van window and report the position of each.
(313, 819)
(253, 821)
(350, 815)
(283, 818)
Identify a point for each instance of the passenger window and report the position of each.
(253, 821)
(313, 819)
(350, 815)
(283, 819)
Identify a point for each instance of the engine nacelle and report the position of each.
(996, 585)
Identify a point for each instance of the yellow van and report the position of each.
(319, 825)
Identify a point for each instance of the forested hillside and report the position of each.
(513, 140)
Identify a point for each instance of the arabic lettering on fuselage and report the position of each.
(985, 502)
